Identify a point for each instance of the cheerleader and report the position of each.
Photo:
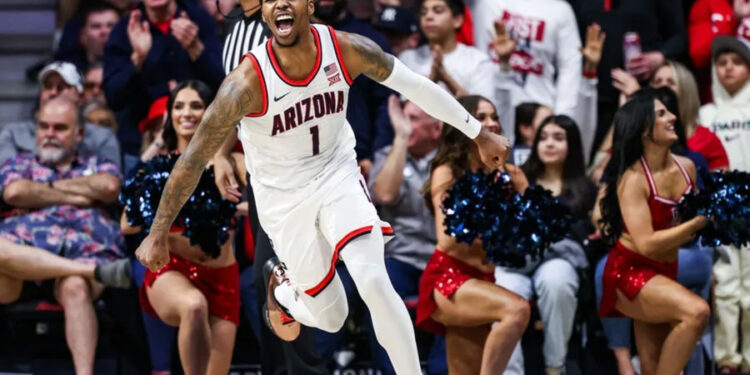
(198, 290)
(643, 183)
(458, 297)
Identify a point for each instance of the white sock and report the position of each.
(287, 297)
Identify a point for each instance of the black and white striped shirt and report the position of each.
(244, 34)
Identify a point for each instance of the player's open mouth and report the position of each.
(284, 24)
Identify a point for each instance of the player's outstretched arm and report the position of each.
(233, 100)
(363, 56)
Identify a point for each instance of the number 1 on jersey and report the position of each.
(315, 140)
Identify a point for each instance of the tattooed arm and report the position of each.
(363, 56)
(233, 100)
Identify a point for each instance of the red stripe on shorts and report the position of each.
(314, 291)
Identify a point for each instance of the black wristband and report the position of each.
(49, 183)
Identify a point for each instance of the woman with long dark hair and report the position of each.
(694, 261)
(528, 117)
(457, 294)
(555, 163)
(643, 183)
(196, 292)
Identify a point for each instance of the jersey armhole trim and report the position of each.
(339, 57)
(262, 81)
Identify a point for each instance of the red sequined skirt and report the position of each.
(628, 272)
(445, 274)
(220, 286)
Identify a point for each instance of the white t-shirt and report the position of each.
(729, 118)
(470, 67)
(546, 66)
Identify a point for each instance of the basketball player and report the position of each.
(290, 96)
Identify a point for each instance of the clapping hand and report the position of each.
(139, 34)
(186, 32)
(437, 69)
(401, 124)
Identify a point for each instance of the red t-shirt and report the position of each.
(465, 34)
(709, 145)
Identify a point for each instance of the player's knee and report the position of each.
(373, 284)
(333, 318)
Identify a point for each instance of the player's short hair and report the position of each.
(456, 6)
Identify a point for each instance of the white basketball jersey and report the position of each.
(301, 133)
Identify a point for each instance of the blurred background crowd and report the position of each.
(91, 88)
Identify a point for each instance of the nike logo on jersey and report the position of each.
(731, 138)
(277, 98)
(308, 109)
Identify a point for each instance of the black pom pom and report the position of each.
(206, 217)
(725, 199)
(512, 227)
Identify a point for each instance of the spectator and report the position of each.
(528, 117)
(586, 108)
(727, 117)
(157, 45)
(59, 79)
(660, 25)
(152, 127)
(92, 84)
(708, 19)
(197, 293)
(679, 79)
(218, 9)
(555, 163)
(399, 25)
(366, 112)
(58, 200)
(460, 68)
(396, 179)
(542, 62)
(731, 99)
(99, 114)
(98, 21)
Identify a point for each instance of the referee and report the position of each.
(245, 31)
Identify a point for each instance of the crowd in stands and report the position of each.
(129, 80)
